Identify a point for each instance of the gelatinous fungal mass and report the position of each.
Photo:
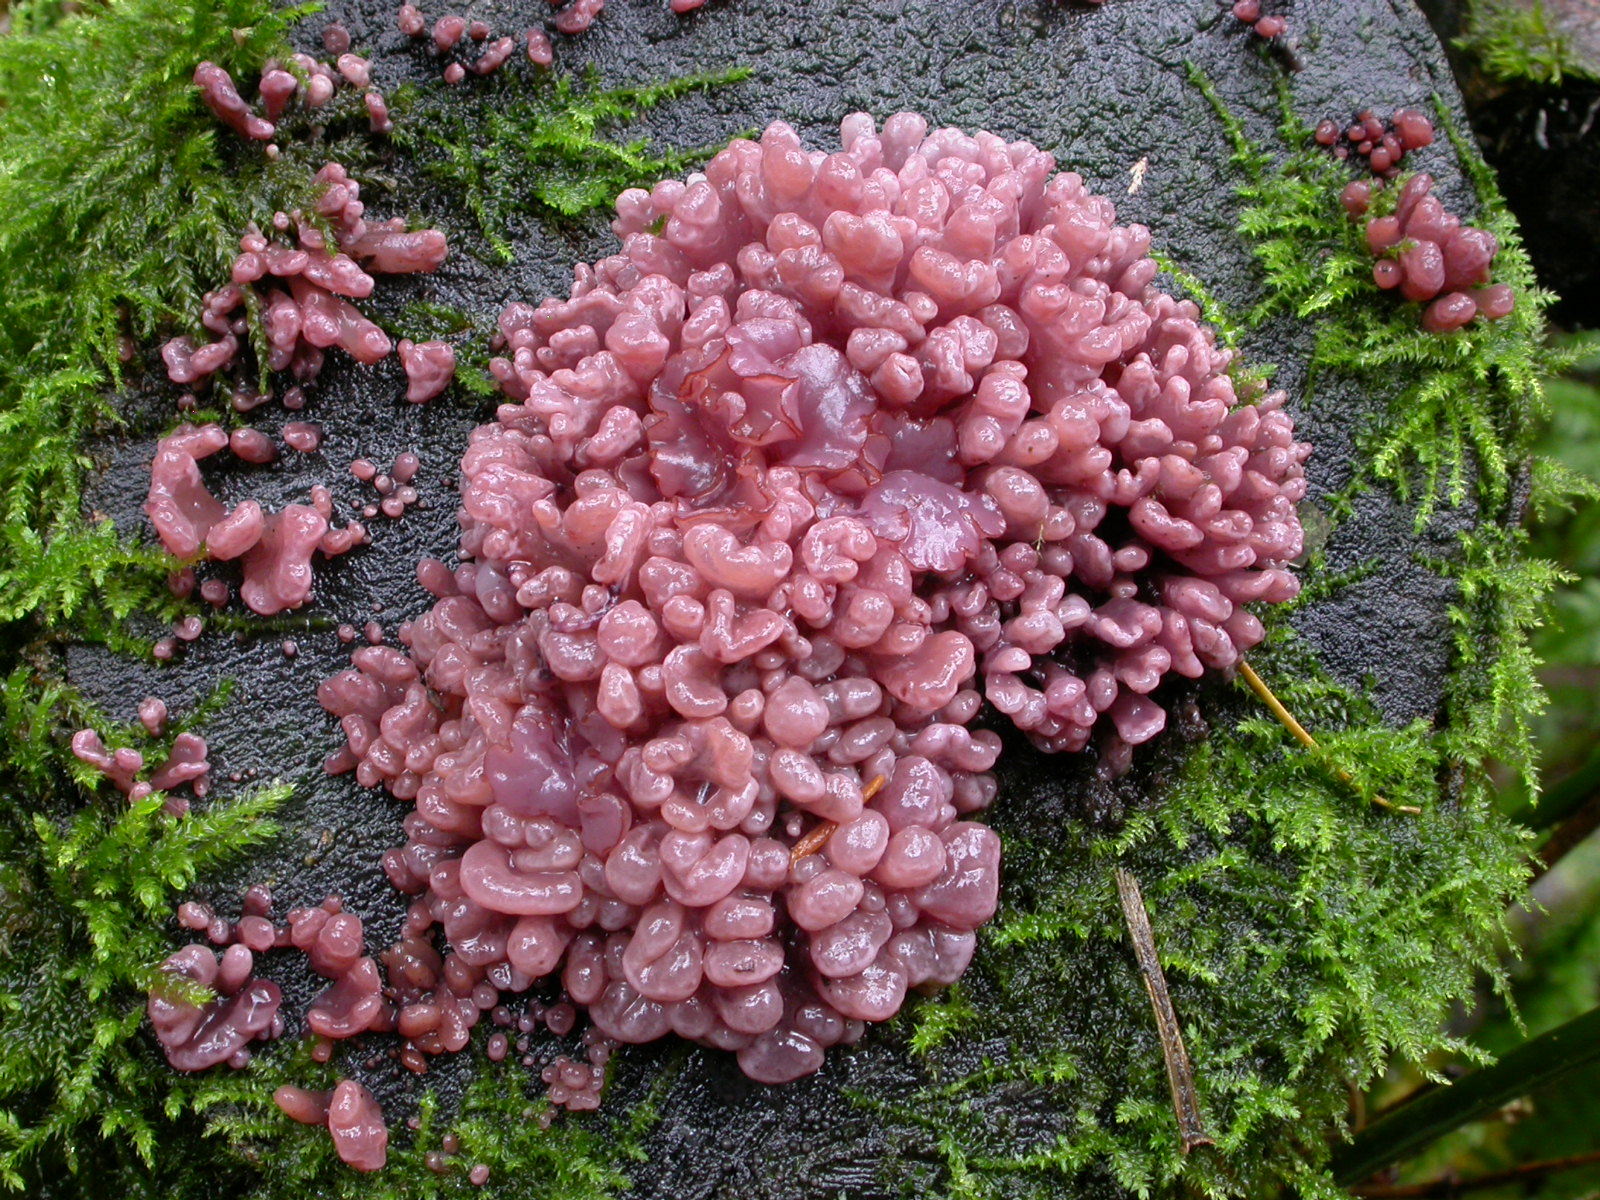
(837, 448)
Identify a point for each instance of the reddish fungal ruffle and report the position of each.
(276, 548)
(200, 1035)
(836, 448)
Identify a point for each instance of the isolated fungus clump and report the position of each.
(304, 284)
(1381, 144)
(835, 450)
(1426, 254)
(200, 1034)
(1262, 24)
(275, 548)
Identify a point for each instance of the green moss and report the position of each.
(543, 148)
(1515, 41)
(85, 927)
(120, 214)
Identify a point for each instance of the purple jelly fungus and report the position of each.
(837, 448)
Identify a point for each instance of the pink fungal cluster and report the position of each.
(304, 290)
(393, 486)
(186, 761)
(1429, 256)
(1264, 25)
(197, 1034)
(1382, 144)
(836, 448)
(278, 87)
(275, 549)
(303, 287)
(451, 32)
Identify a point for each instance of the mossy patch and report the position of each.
(541, 147)
(1517, 42)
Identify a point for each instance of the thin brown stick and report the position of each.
(1180, 1076)
(1448, 1186)
(813, 841)
(818, 834)
(1568, 836)
(1260, 688)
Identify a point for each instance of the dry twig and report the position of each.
(1260, 688)
(1180, 1076)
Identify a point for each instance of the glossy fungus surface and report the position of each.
(838, 449)
(1428, 255)
(304, 287)
(198, 1034)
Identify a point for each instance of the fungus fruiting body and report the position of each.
(1426, 254)
(304, 291)
(836, 448)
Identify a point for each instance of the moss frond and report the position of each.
(543, 147)
(1516, 42)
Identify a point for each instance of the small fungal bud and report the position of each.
(429, 368)
(494, 56)
(252, 446)
(406, 466)
(1495, 301)
(447, 32)
(319, 90)
(304, 436)
(579, 15)
(223, 99)
(277, 89)
(410, 20)
(299, 1104)
(153, 715)
(356, 1124)
(357, 72)
(378, 113)
(1412, 129)
(1356, 197)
